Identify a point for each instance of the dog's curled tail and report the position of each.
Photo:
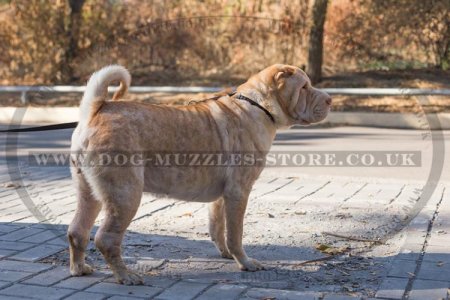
(97, 89)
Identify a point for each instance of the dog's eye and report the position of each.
(305, 86)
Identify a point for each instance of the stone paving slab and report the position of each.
(435, 271)
(7, 228)
(13, 276)
(4, 284)
(80, 283)
(43, 236)
(340, 297)
(49, 277)
(437, 253)
(224, 291)
(20, 234)
(38, 252)
(401, 269)
(429, 289)
(16, 246)
(12, 265)
(123, 298)
(155, 281)
(183, 290)
(116, 289)
(86, 296)
(6, 253)
(392, 288)
(35, 292)
(280, 294)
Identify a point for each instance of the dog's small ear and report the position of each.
(284, 72)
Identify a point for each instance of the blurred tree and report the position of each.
(391, 34)
(63, 41)
(46, 41)
(73, 31)
(315, 51)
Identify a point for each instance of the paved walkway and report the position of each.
(288, 218)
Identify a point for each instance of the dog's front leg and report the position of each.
(235, 201)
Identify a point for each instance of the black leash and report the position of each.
(74, 124)
(43, 128)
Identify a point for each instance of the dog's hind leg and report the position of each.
(121, 199)
(217, 227)
(79, 229)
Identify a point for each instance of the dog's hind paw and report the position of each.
(251, 265)
(226, 254)
(129, 278)
(80, 270)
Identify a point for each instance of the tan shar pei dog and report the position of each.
(246, 122)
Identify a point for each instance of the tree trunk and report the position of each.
(73, 31)
(315, 51)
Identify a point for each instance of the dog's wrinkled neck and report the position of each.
(256, 95)
(256, 104)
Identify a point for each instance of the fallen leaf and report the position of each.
(322, 247)
(411, 274)
(224, 281)
(271, 216)
(343, 215)
(187, 214)
(334, 250)
(327, 249)
(343, 272)
(11, 185)
(347, 288)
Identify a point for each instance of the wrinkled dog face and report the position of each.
(302, 103)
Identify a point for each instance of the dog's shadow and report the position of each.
(164, 258)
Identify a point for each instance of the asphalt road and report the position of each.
(338, 151)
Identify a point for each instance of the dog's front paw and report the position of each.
(80, 270)
(226, 254)
(251, 265)
(129, 278)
